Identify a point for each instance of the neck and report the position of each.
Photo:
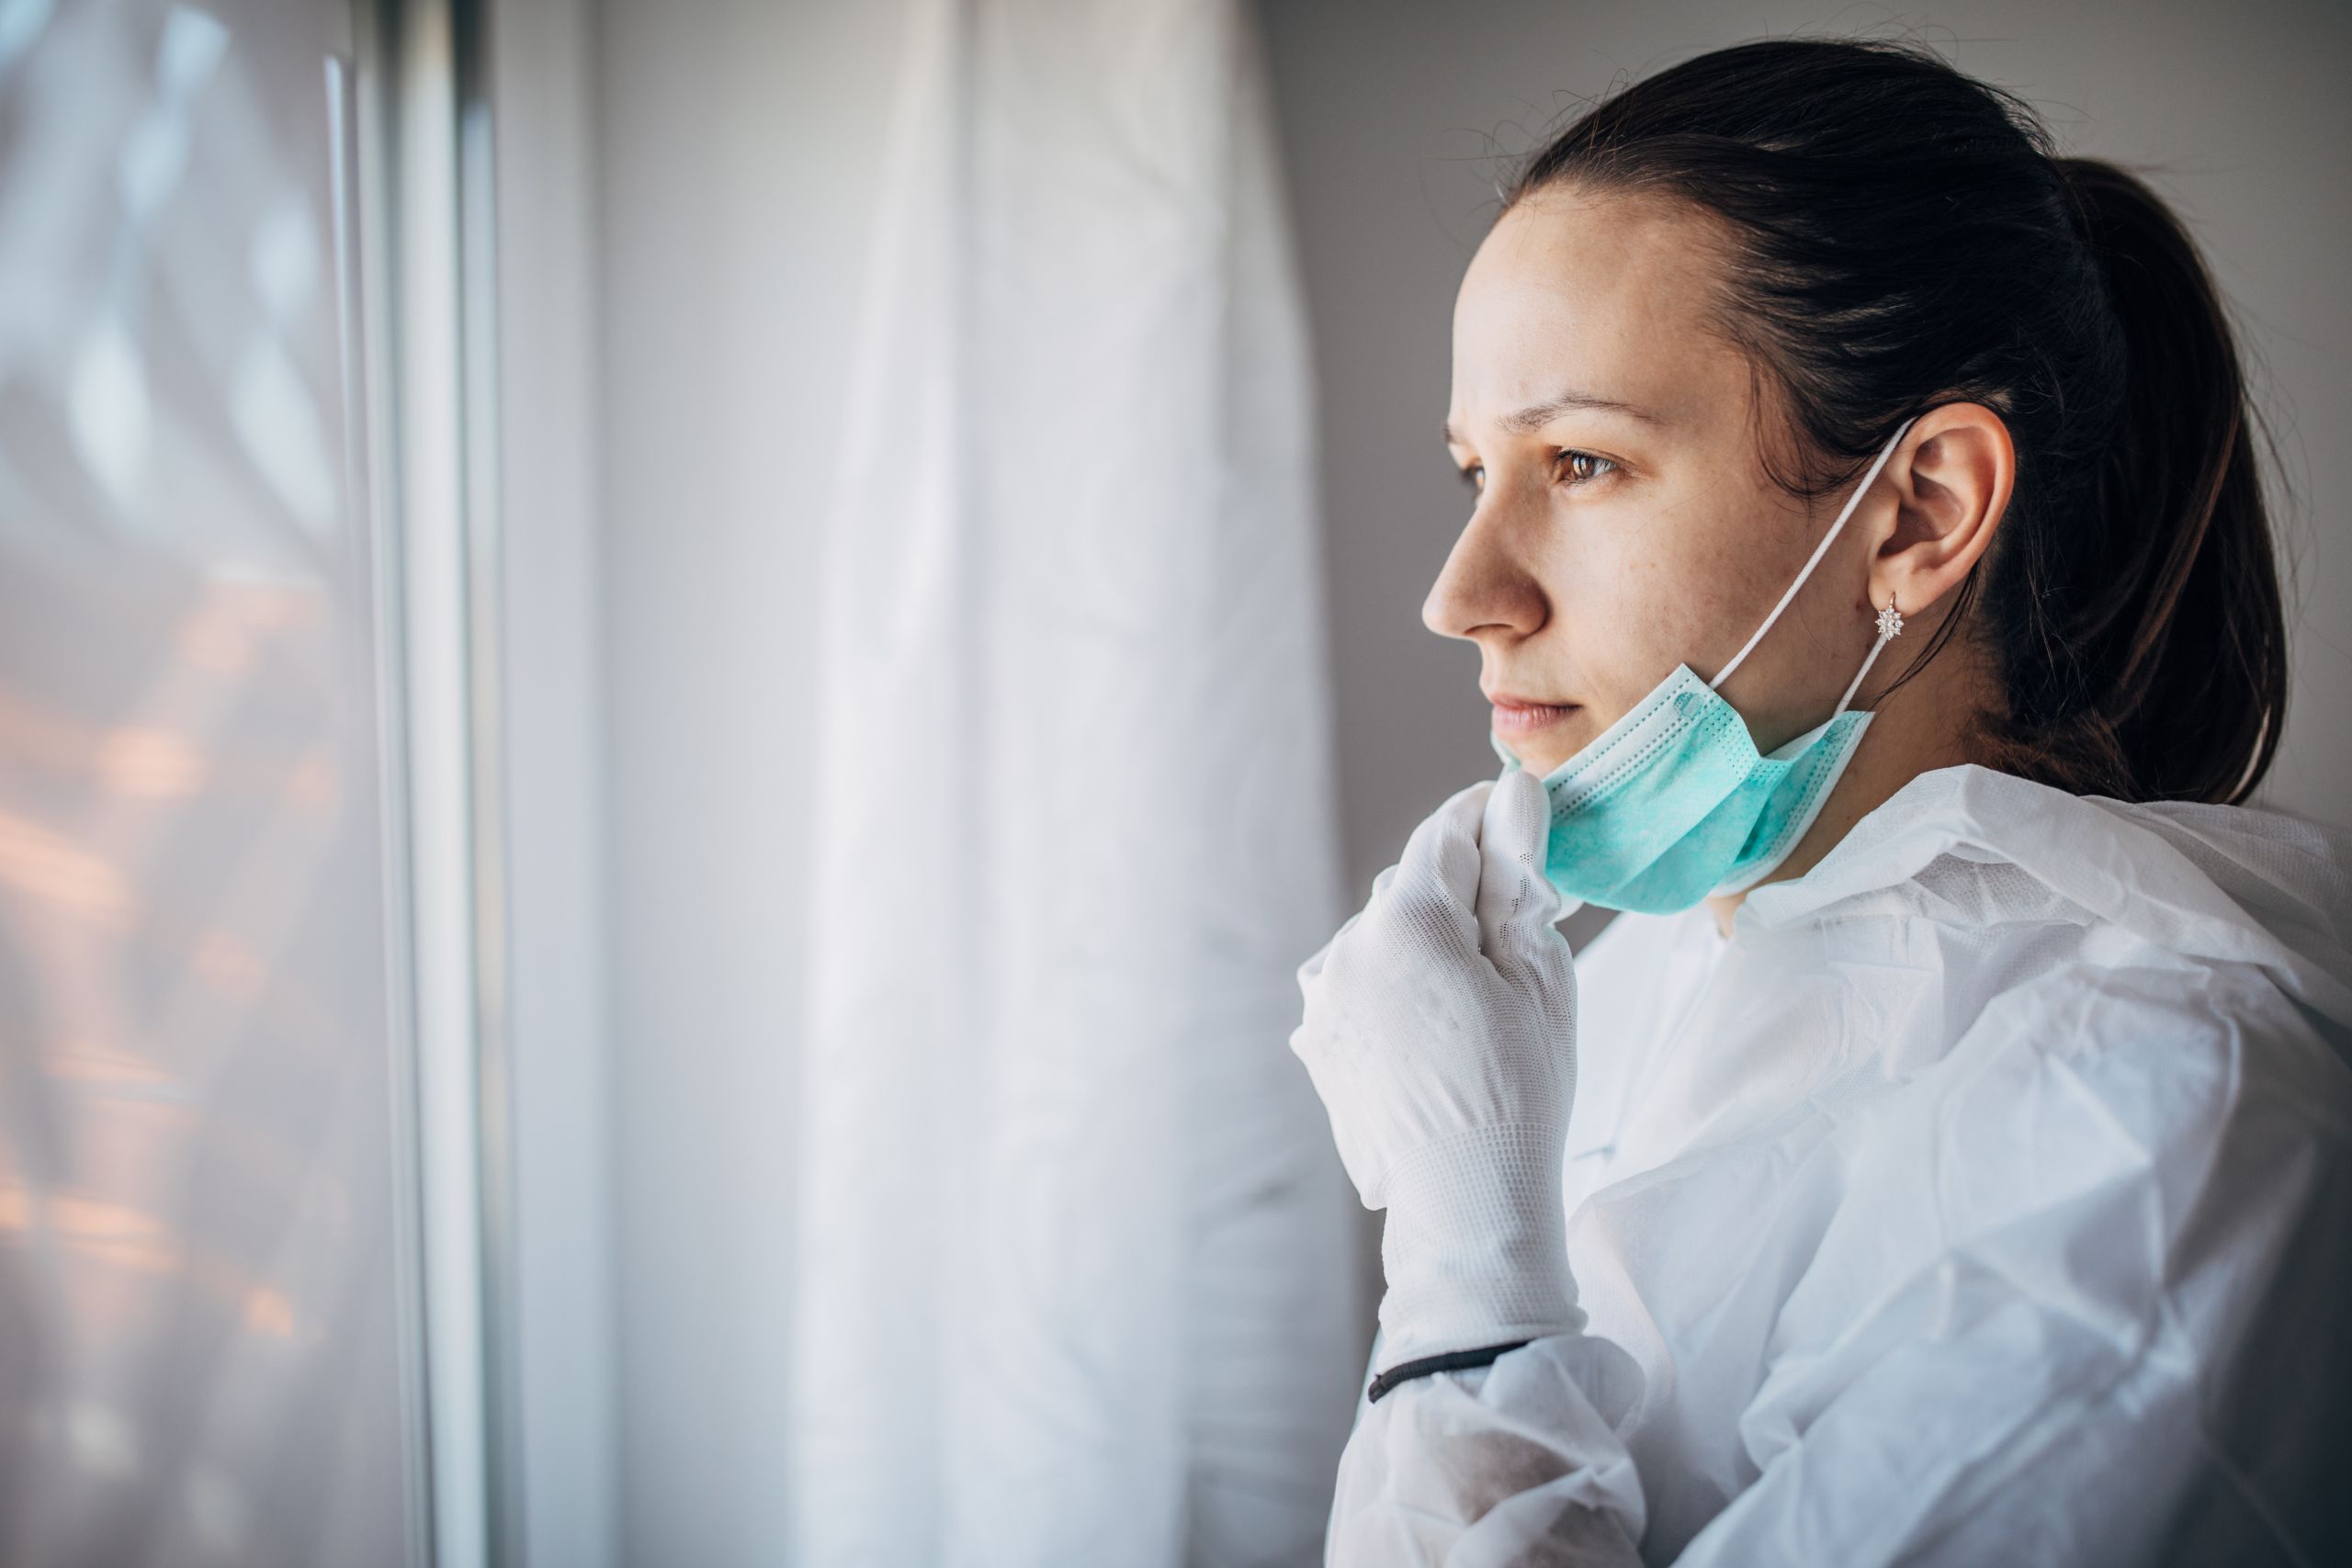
(1923, 726)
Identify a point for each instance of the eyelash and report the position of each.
(1608, 465)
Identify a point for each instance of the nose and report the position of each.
(1484, 587)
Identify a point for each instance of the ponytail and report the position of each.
(2144, 646)
(1905, 235)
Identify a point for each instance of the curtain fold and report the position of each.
(1077, 1269)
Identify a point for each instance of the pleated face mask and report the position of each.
(1673, 802)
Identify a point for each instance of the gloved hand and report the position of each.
(1440, 1030)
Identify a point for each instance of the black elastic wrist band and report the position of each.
(1452, 1361)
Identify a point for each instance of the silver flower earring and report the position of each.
(1890, 620)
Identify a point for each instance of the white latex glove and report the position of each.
(1440, 1029)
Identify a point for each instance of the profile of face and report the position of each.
(1624, 520)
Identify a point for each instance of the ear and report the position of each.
(1953, 477)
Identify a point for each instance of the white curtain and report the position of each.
(1079, 1272)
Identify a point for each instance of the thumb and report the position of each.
(1515, 899)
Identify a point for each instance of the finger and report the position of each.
(1442, 857)
(1516, 901)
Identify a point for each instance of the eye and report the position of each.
(1583, 468)
(1474, 475)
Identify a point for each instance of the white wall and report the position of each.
(738, 144)
(1388, 107)
(540, 84)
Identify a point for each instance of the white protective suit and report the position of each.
(1984, 1198)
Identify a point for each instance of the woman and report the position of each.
(1946, 1160)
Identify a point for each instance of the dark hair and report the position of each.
(1902, 236)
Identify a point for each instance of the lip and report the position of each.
(1515, 715)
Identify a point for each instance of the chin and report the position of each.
(1540, 756)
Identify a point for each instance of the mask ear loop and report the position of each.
(1814, 560)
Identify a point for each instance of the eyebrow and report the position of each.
(1535, 416)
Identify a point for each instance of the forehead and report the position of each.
(1608, 294)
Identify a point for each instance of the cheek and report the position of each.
(1634, 604)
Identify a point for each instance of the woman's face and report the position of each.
(1623, 522)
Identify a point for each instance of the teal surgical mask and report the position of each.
(1673, 802)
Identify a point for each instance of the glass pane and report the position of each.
(200, 1272)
